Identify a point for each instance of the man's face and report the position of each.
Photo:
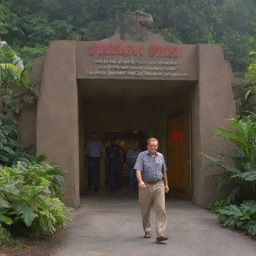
(152, 147)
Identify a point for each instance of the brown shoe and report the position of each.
(161, 238)
(147, 235)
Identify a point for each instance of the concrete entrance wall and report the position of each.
(57, 127)
(213, 106)
(57, 115)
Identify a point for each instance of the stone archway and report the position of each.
(67, 61)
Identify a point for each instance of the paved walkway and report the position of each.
(110, 226)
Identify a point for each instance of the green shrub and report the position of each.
(15, 92)
(29, 199)
(246, 93)
(30, 188)
(239, 172)
(241, 217)
(218, 204)
(5, 236)
(10, 151)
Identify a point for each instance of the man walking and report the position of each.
(93, 151)
(153, 184)
(114, 156)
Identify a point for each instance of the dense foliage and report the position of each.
(247, 91)
(29, 202)
(28, 25)
(30, 188)
(15, 90)
(239, 174)
(10, 150)
(241, 217)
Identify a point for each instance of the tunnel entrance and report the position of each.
(132, 111)
(120, 91)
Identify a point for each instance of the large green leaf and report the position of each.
(4, 203)
(27, 213)
(230, 210)
(6, 220)
(219, 163)
(247, 176)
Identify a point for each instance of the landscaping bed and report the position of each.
(46, 247)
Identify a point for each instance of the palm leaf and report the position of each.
(219, 163)
(247, 176)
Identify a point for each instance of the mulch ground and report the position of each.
(45, 247)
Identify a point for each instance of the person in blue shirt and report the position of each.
(131, 157)
(114, 157)
(93, 150)
(107, 145)
(151, 173)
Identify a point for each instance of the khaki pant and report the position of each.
(154, 195)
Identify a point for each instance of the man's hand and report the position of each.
(142, 185)
(166, 188)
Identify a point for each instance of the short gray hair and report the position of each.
(152, 139)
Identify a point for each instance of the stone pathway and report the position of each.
(111, 226)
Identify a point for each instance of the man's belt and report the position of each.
(153, 181)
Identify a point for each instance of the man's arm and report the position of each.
(139, 179)
(165, 178)
(139, 167)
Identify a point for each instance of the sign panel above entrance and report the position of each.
(155, 59)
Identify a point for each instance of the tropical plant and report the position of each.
(14, 86)
(29, 199)
(239, 172)
(5, 236)
(241, 217)
(247, 91)
(10, 151)
(30, 188)
(13, 78)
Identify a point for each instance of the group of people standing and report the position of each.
(115, 157)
